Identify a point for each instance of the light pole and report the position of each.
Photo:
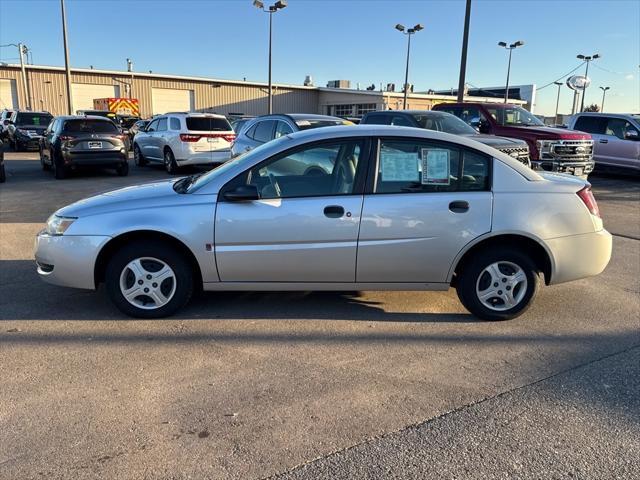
(559, 84)
(510, 47)
(279, 5)
(66, 59)
(604, 92)
(130, 70)
(463, 59)
(587, 59)
(22, 49)
(408, 33)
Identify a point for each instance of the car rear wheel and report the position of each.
(149, 280)
(59, 170)
(498, 284)
(170, 163)
(138, 158)
(123, 169)
(3, 174)
(45, 166)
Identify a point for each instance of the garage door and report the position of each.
(165, 100)
(8, 94)
(84, 93)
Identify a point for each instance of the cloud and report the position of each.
(629, 76)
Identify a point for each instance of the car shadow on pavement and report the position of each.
(26, 297)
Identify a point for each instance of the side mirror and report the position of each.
(483, 126)
(475, 122)
(242, 193)
(631, 135)
(6, 122)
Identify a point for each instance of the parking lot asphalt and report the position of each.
(313, 385)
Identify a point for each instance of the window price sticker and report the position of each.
(399, 166)
(435, 166)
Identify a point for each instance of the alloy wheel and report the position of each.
(501, 286)
(148, 283)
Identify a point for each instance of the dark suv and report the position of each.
(75, 141)
(445, 122)
(26, 128)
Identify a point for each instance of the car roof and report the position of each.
(300, 116)
(84, 117)
(192, 114)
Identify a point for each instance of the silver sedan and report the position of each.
(392, 209)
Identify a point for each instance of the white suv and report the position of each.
(180, 139)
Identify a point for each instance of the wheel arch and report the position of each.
(146, 236)
(537, 250)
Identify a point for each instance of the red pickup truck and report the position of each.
(551, 149)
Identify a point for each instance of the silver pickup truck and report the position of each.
(616, 138)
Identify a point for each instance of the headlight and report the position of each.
(58, 225)
(544, 146)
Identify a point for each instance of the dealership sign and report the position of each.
(578, 82)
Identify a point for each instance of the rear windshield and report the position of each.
(36, 119)
(89, 126)
(308, 124)
(208, 124)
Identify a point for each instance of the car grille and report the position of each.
(519, 153)
(572, 150)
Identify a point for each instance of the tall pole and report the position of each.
(25, 84)
(506, 88)
(406, 74)
(463, 59)
(559, 84)
(604, 92)
(584, 90)
(66, 59)
(270, 85)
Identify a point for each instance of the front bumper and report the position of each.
(559, 166)
(580, 256)
(68, 260)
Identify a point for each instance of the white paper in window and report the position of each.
(399, 167)
(435, 166)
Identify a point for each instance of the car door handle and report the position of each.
(459, 206)
(333, 211)
(603, 140)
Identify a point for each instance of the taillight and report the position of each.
(66, 138)
(229, 137)
(586, 195)
(189, 137)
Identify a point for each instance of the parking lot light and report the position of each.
(510, 47)
(279, 5)
(408, 33)
(587, 59)
(604, 92)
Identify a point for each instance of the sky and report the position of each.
(345, 39)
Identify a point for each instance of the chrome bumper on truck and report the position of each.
(565, 156)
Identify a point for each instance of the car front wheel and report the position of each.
(149, 280)
(498, 284)
(170, 163)
(138, 158)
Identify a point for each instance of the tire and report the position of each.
(138, 158)
(59, 170)
(123, 170)
(176, 288)
(46, 167)
(3, 174)
(477, 277)
(170, 164)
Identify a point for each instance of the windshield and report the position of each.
(516, 116)
(308, 124)
(37, 119)
(444, 122)
(244, 157)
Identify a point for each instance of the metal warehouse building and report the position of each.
(46, 90)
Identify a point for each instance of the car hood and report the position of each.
(156, 194)
(551, 132)
(494, 141)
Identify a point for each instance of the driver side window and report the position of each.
(153, 126)
(316, 170)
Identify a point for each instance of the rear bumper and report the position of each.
(29, 144)
(580, 256)
(68, 260)
(205, 158)
(87, 157)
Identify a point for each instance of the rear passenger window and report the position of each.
(590, 124)
(264, 131)
(401, 121)
(174, 123)
(377, 120)
(413, 166)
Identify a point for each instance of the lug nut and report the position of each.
(495, 284)
(504, 280)
(146, 290)
(140, 282)
(154, 285)
(148, 277)
(499, 292)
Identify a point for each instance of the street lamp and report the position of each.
(408, 32)
(559, 84)
(604, 92)
(587, 59)
(22, 51)
(130, 70)
(510, 47)
(279, 5)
